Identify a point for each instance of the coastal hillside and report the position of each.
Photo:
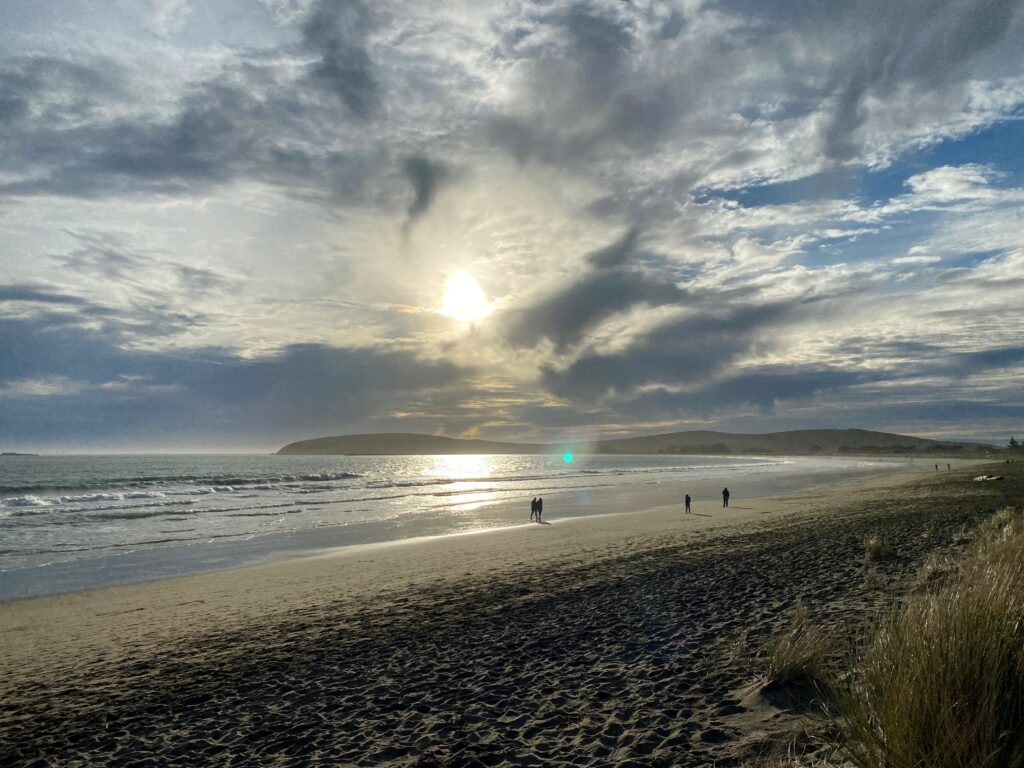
(803, 442)
(402, 443)
(797, 442)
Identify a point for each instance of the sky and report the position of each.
(229, 224)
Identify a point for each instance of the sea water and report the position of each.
(71, 522)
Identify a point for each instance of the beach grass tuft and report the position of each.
(876, 548)
(872, 579)
(942, 682)
(796, 654)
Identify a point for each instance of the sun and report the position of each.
(464, 299)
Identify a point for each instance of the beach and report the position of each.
(626, 639)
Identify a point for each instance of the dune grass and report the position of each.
(876, 548)
(797, 654)
(872, 579)
(942, 682)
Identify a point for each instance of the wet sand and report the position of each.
(626, 639)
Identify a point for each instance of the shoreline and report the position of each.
(320, 576)
(593, 640)
(134, 565)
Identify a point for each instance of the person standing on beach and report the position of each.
(540, 508)
(533, 508)
(687, 503)
(725, 497)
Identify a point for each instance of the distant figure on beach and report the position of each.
(948, 467)
(533, 508)
(687, 503)
(540, 508)
(936, 466)
(725, 497)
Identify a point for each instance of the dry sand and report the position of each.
(626, 639)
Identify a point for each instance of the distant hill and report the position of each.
(398, 443)
(795, 443)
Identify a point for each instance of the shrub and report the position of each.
(942, 684)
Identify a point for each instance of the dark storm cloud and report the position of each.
(687, 351)
(426, 178)
(303, 387)
(336, 31)
(613, 285)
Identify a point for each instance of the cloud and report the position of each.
(43, 387)
(925, 43)
(426, 178)
(683, 352)
(287, 11)
(799, 205)
(614, 284)
(763, 389)
(36, 294)
(165, 17)
(336, 30)
(297, 389)
(984, 360)
(950, 184)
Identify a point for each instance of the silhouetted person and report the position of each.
(948, 467)
(687, 503)
(540, 508)
(936, 466)
(533, 508)
(725, 497)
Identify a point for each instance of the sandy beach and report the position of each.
(626, 639)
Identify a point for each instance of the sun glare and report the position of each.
(464, 299)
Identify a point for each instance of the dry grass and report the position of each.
(936, 571)
(797, 654)
(876, 548)
(791, 755)
(873, 579)
(942, 684)
(797, 761)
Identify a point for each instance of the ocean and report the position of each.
(73, 522)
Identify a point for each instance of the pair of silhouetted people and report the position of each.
(725, 497)
(536, 509)
(687, 503)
